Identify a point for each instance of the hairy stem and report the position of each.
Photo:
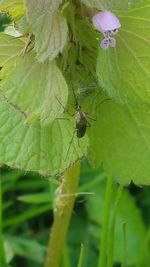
(63, 209)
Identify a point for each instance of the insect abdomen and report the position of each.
(81, 129)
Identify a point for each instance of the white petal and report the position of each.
(105, 43)
(112, 42)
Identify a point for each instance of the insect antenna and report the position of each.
(75, 97)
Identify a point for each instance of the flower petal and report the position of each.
(106, 21)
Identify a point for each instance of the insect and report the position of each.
(81, 123)
(81, 119)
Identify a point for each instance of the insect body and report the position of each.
(81, 122)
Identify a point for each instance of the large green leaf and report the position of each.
(37, 89)
(37, 148)
(109, 4)
(124, 71)
(127, 213)
(119, 140)
(49, 27)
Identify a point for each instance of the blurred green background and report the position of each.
(27, 217)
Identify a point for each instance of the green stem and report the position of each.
(2, 251)
(63, 210)
(124, 246)
(105, 225)
(65, 260)
(112, 228)
(80, 263)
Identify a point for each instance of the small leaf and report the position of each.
(38, 90)
(123, 71)
(36, 198)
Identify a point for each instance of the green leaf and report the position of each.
(23, 25)
(49, 27)
(14, 7)
(27, 248)
(26, 215)
(38, 8)
(49, 44)
(9, 252)
(36, 198)
(119, 140)
(123, 71)
(127, 213)
(38, 90)
(109, 4)
(43, 149)
(9, 48)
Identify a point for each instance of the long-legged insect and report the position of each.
(81, 122)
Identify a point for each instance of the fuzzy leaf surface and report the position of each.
(119, 141)
(36, 88)
(38, 8)
(9, 48)
(109, 4)
(37, 148)
(49, 27)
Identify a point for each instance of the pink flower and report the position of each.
(107, 23)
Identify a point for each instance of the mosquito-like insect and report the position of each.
(81, 119)
(81, 122)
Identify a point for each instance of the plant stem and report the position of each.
(80, 263)
(2, 251)
(112, 228)
(63, 209)
(105, 225)
(124, 246)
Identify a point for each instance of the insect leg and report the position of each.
(70, 143)
(89, 117)
(88, 124)
(65, 110)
